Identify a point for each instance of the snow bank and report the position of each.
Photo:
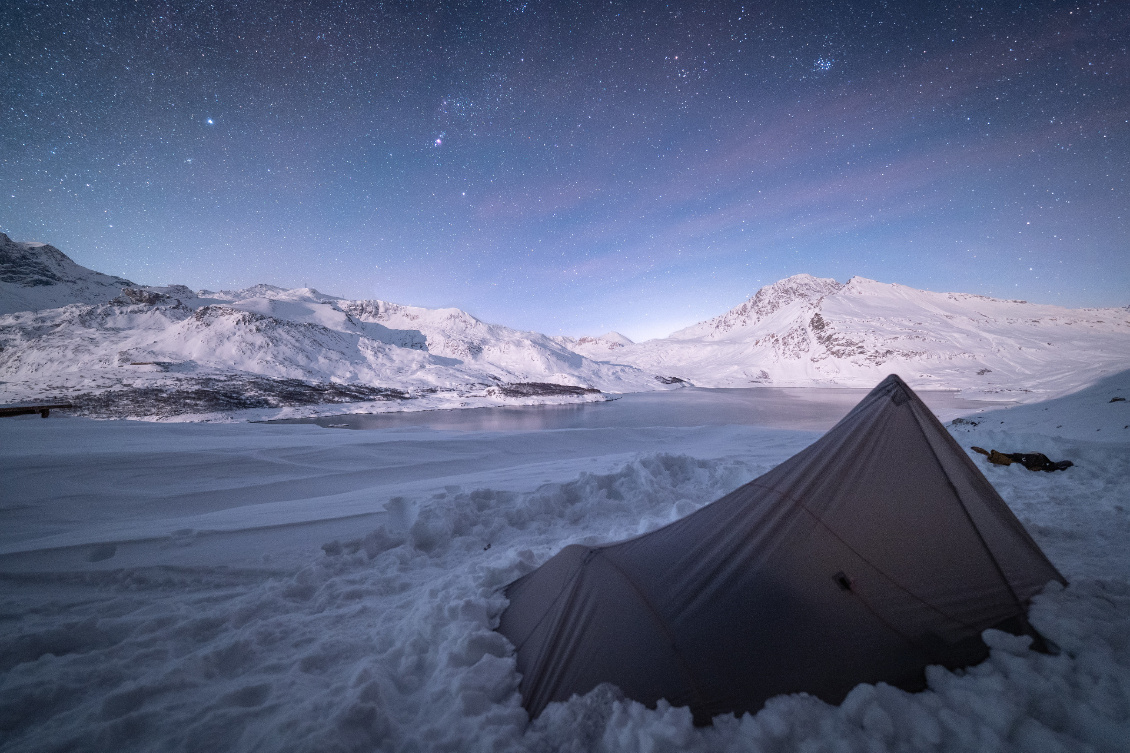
(386, 637)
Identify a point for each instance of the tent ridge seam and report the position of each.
(969, 515)
(568, 595)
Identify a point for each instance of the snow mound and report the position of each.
(1100, 412)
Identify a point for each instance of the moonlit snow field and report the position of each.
(268, 587)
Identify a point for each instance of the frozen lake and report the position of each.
(782, 408)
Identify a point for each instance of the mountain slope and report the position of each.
(38, 276)
(166, 351)
(599, 348)
(806, 331)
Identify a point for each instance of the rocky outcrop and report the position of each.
(764, 303)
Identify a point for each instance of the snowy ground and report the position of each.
(289, 587)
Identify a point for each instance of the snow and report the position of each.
(36, 276)
(601, 348)
(69, 334)
(402, 357)
(208, 586)
(168, 353)
(289, 587)
(808, 331)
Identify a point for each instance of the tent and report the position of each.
(876, 551)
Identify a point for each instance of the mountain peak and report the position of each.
(765, 302)
(783, 292)
(611, 339)
(38, 276)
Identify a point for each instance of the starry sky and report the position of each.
(574, 167)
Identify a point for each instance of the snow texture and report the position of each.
(286, 587)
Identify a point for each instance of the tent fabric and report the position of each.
(876, 551)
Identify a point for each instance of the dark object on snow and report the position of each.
(1037, 461)
(1033, 461)
(878, 550)
(1118, 400)
(7, 411)
(670, 380)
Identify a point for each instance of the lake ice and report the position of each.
(783, 408)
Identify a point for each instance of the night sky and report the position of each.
(574, 167)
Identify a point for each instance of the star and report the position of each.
(815, 137)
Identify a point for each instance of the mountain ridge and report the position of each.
(808, 331)
(107, 335)
(168, 351)
(39, 276)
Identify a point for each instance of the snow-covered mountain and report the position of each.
(120, 349)
(163, 351)
(600, 348)
(38, 276)
(808, 331)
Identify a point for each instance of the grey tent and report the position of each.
(876, 551)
